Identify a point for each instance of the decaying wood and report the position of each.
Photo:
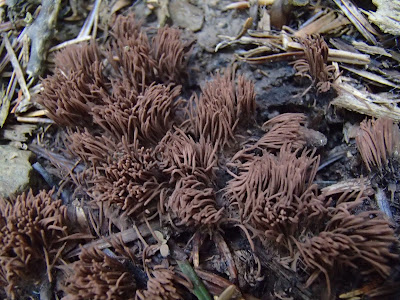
(374, 78)
(366, 103)
(326, 22)
(19, 133)
(386, 16)
(40, 33)
(359, 21)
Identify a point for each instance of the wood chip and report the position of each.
(387, 16)
(359, 21)
(4, 107)
(365, 103)
(373, 50)
(372, 77)
(326, 22)
(17, 132)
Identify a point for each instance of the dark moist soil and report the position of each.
(278, 91)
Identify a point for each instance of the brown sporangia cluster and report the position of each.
(164, 284)
(127, 134)
(193, 203)
(97, 275)
(33, 227)
(278, 201)
(148, 151)
(222, 105)
(130, 178)
(183, 156)
(350, 238)
(315, 63)
(275, 193)
(376, 141)
(70, 93)
(150, 113)
(284, 129)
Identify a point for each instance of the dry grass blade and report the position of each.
(359, 21)
(17, 70)
(4, 107)
(16, 66)
(91, 21)
(348, 57)
(374, 78)
(328, 22)
(373, 50)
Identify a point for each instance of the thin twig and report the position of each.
(17, 68)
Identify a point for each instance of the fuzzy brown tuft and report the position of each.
(164, 284)
(130, 179)
(32, 227)
(376, 141)
(129, 53)
(91, 149)
(71, 92)
(222, 105)
(350, 239)
(192, 203)
(171, 55)
(282, 130)
(314, 66)
(182, 156)
(275, 193)
(98, 276)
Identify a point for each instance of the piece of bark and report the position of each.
(40, 32)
